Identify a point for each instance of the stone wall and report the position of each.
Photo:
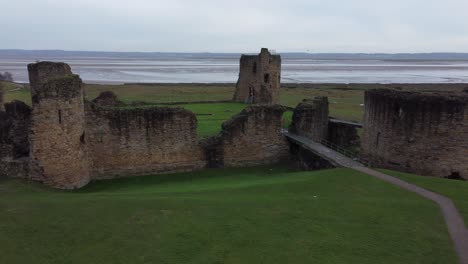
(14, 144)
(259, 78)
(250, 138)
(310, 119)
(342, 134)
(423, 133)
(57, 141)
(1, 97)
(128, 142)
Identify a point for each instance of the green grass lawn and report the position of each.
(163, 93)
(247, 215)
(211, 116)
(13, 91)
(456, 190)
(344, 103)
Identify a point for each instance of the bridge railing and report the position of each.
(342, 151)
(336, 148)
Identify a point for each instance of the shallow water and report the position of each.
(206, 69)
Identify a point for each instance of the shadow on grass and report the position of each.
(113, 184)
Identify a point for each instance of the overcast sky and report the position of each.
(236, 25)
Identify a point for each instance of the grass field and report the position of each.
(13, 91)
(249, 215)
(211, 116)
(456, 190)
(344, 103)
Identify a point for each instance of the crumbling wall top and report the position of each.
(42, 71)
(310, 118)
(123, 118)
(420, 96)
(53, 80)
(263, 111)
(314, 103)
(107, 99)
(264, 55)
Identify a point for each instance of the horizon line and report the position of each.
(209, 52)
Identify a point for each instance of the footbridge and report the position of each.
(340, 158)
(339, 121)
(332, 153)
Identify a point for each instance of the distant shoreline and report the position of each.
(360, 86)
(291, 85)
(22, 53)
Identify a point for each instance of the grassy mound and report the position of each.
(249, 215)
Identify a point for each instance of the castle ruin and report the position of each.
(419, 132)
(65, 141)
(259, 78)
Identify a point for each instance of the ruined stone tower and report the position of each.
(57, 142)
(419, 132)
(259, 78)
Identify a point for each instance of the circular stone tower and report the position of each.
(419, 132)
(57, 140)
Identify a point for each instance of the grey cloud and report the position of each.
(236, 26)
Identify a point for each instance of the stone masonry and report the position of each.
(342, 134)
(1, 97)
(310, 119)
(125, 142)
(250, 138)
(57, 141)
(72, 141)
(419, 132)
(14, 140)
(259, 78)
